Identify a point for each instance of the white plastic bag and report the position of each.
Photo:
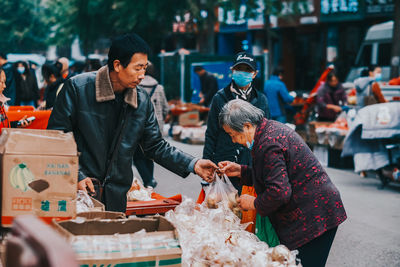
(222, 192)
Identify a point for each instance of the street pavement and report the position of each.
(369, 237)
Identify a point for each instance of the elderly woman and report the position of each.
(292, 187)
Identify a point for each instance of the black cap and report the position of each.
(245, 58)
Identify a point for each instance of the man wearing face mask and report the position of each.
(368, 91)
(218, 145)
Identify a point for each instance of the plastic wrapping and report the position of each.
(215, 237)
(125, 245)
(83, 202)
(138, 192)
(222, 192)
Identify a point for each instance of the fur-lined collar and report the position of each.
(105, 92)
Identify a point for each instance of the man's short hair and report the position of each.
(198, 68)
(278, 71)
(3, 55)
(124, 47)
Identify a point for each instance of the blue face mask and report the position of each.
(242, 78)
(378, 77)
(249, 145)
(21, 70)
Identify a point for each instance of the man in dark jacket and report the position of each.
(110, 116)
(209, 85)
(218, 145)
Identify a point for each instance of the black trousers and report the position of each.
(144, 166)
(315, 253)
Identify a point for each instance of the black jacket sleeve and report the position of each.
(155, 147)
(212, 128)
(64, 114)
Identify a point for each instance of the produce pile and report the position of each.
(138, 192)
(215, 237)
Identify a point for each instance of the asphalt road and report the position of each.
(369, 237)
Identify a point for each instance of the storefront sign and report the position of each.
(340, 10)
(379, 7)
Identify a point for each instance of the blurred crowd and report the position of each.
(29, 84)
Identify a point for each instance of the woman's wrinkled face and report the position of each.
(134, 73)
(241, 137)
(2, 81)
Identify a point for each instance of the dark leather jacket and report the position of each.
(84, 106)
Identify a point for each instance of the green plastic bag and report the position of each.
(265, 232)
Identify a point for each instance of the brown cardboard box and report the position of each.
(39, 171)
(191, 118)
(120, 242)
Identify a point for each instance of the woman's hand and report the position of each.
(231, 169)
(246, 202)
(335, 108)
(24, 123)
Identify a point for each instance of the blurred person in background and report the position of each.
(208, 85)
(218, 144)
(5, 123)
(331, 98)
(54, 83)
(8, 68)
(277, 95)
(368, 91)
(27, 91)
(65, 68)
(156, 92)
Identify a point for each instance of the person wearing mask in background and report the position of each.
(208, 85)
(27, 91)
(218, 144)
(8, 68)
(65, 68)
(277, 95)
(156, 92)
(4, 121)
(368, 91)
(331, 98)
(54, 83)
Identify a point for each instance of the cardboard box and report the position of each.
(39, 174)
(191, 118)
(122, 243)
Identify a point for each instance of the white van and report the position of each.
(376, 49)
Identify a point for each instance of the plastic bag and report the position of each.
(138, 192)
(83, 202)
(215, 237)
(222, 192)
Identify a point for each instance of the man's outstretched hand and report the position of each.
(205, 169)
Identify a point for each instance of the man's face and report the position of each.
(246, 68)
(134, 73)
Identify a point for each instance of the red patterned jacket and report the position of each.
(292, 187)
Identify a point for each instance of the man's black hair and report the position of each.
(124, 47)
(278, 71)
(330, 76)
(49, 69)
(371, 68)
(198, 68)
(3, 55)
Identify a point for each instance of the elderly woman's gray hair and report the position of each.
(236, 113)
